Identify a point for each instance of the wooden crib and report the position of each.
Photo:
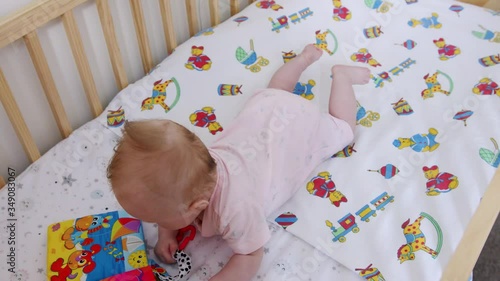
(23, 25)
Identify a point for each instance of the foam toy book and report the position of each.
(95, 247)
(139, 274)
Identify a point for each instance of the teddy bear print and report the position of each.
(438, 182)
(364, 56)
(198, 60)
(340, 13)
(446, 51)
(486, 86)
(419, 142)
(429, 22)
(205, 118)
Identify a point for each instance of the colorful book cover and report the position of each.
(139, 274)
(95, 247)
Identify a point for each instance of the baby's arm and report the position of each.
(240, 267)
(166, 245)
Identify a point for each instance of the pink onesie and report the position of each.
(262, 159)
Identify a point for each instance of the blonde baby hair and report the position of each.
(163, 157)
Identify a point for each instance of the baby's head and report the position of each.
(161, 172)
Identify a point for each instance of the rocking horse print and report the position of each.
(159, 96)
(322, 43)
(415, 239)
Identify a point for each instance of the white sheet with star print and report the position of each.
(69, 181)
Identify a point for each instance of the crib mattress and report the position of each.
(423, 154)
(396, 201)
(69, 181)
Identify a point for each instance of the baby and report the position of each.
(163, 173)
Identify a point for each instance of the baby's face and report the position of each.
(149, 207)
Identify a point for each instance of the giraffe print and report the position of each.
(415, 241)
(321, 41)
(158, 96)
(433, 86)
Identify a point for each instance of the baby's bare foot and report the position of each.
(356, 74)
(311, 53)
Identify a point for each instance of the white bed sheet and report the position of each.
(69, 181)
(434, 64)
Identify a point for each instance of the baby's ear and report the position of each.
(198, 205)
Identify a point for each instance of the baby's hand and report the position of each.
(166, 245)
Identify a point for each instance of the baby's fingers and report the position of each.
(163, 253)
(173, 249)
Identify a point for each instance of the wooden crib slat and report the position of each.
(82, 63)
(168, 25)
(463, 260)
(192, 16)
(142, 35)
(113, 48)
(17, 121)
(214, 12)
(31, 17)
(49, 87)
(235, 7)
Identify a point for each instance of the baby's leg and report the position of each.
(288, 74)
(342, 100)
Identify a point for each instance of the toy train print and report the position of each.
(379, 202)
(348, 222)
(282, 22)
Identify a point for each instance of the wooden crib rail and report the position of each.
(168, 25)
(115, 56)
(82, 63)
(17, 121)
(47, 81)
(235, 7)
(142, 35)
(24, 25)
(32, 17)
(192, 17)
(214, 12)
(463, 261)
